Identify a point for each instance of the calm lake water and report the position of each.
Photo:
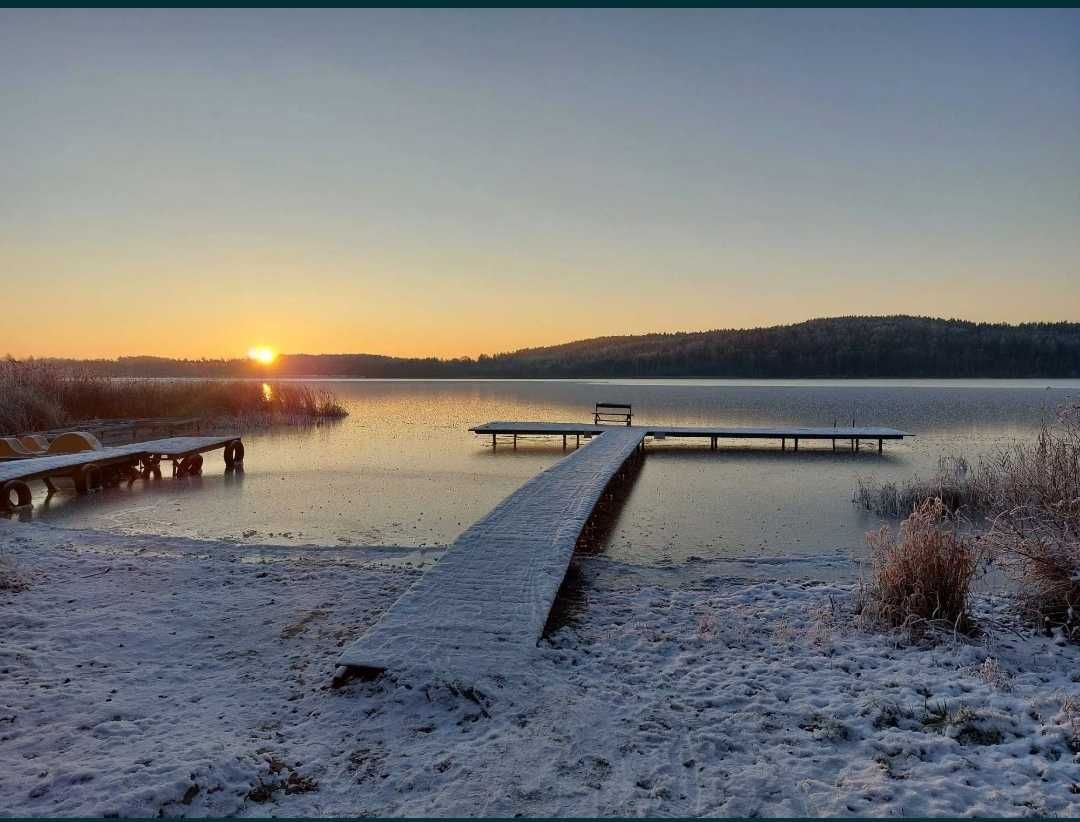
(404, 470)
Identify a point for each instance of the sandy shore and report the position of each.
(143, 676)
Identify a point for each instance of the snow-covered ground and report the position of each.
(145, 677)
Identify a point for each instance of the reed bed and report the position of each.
(37, 396)
(1042, 474)
(1027, 501)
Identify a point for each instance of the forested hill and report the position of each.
(838, 347)
(898, 346)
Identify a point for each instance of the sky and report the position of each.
(191, 183)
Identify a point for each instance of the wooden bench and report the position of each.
(612, 412)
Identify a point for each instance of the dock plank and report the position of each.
(485, 604)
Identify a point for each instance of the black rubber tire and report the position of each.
(88, 479)
(234, 453)
(191, 465)
(22, 495)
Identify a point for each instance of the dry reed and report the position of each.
(37, 396)
(922, 580)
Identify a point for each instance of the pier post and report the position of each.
(577, 440)
(515, 442)
(712, 446)
(783, 444)
(564, 442)
(796, 443)
(834, 444)
(879, 446)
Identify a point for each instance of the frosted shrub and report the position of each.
(922, 579)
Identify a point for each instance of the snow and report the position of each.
(193, 680)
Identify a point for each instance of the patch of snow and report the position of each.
(197, 683)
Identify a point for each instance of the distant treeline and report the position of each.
(898, 346)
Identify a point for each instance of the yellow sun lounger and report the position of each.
(35, 442)
(73, 442)
(30, 446)
(12, 449)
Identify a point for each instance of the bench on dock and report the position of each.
(609, 412)
(91, 470)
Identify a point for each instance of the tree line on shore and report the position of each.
(838, 347)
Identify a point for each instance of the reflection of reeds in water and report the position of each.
(37, 396)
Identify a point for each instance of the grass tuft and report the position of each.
(921, 580)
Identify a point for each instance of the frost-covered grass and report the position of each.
(1040, 473)
(959, 485)
(198, 684)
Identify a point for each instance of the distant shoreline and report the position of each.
(898, 347)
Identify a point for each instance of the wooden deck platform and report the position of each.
(483, 607)
(90, 469)
(853, 434)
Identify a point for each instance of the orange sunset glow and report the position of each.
(342, 209)
(262, 354)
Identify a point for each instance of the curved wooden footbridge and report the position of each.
(483, 606)
(93, 469)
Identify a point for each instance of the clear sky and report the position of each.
(190, 183)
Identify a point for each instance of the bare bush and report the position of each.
(1041, 550)
(922, 579)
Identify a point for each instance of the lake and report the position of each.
(403, 469)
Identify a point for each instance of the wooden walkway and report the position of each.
(85, 467)
(484, 605)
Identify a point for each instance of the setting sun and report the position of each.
(263, 354)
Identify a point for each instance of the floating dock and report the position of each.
(483, 606)
(90, 470)
(782, 434)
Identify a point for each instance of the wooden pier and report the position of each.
(93, 469)
(852, 435)
(483, 606)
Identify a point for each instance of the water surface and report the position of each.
(404, 470)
